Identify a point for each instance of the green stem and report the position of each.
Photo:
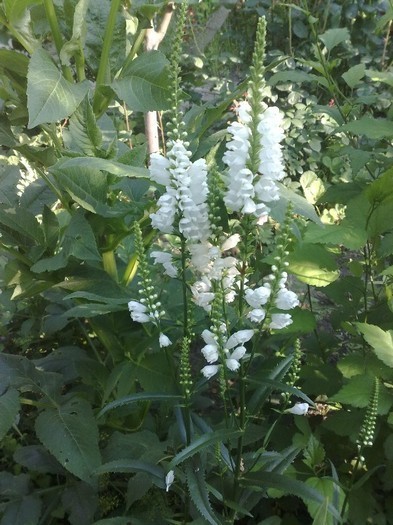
(184, 286)
(134, 50)
(109, 263)
(348, 492)
(103, 68)
(56, 34)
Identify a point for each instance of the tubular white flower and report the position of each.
(280, 321)
(286, 300)
(165, 259)
(139, 312)
(257, 315)
(257, 297)
(164, 340)
(238, 338)
(299, 409)
(210, 353)
(210, 370)
(169, 479)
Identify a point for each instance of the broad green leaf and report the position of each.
(350, 235)
(333, 37)
(202, 443)
(373, 128)
(15, 9)
(380, 76)
(381, 341)
(14, 61)
(19, 226)
(266, 480)
(358, 390)
(354, 74)
(314, 265)
(24, 511)
(199, 493)
(144, 86)
(70, 433)
(38, 459)
(115, 521)
(299, 204)
(128, 465)
(137, 487)
(9, 409)
(295, 76)
(114, 168)
(50, 97)
(320, 512)
(313, 187)
(79, 239)
(136, 398)
(80, 501)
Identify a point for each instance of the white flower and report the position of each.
(165, 259)
(164, 340)
(257, 315)
(231, 242)
(286, 300)
(257, 297)
(209, 370)
(238, 338)
(232, 361)
(201, 293)
(138, 312)
(299, 409)
(280, 321)
(169, 479)
(159, 169)
(210, 353)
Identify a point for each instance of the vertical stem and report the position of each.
(58, 40)
(184, 286)
(104, 60)
(109, 263)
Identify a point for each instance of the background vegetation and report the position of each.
(90, 421)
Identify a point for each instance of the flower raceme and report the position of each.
(249, 192)
(233, 351)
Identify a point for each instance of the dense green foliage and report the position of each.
(93, 413)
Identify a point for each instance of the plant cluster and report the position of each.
(200, 334)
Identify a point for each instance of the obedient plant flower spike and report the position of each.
(256, 84)
(176, 124)
(367, 432)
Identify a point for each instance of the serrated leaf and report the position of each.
(144, 86)
(266, 480)
(202, 443)
(20, 226)
(333, 37)
(320, 512)
(128, 465)
(85, 133)
(137, 487)
(354, 74)
(25, 511)
(9, 409)
(199, 494)
(70, 433)
(114, 168)
(79, 239)
(50, 97)
(381, 341)
(348, 234)
(358, 390)
(373, 128)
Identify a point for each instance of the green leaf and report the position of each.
(295, 76)
(381, 341)
(70, 433)
(136, 398)
(50, 97)
(320, 512)
(9, 409)
(15, 9)
(380, 76)
(333, 37)
(373, 128)
(80, 501)
(79, 239)
(37, 458)
(358, 390)
(85, 134)
(144, 86)
(261, 394)
(299, 204)
(128, 465)
(313, 264)
(138, 486)
(266, 480)
(114, 521)
(75, 45)
(349, 234)
(281, 387)
(201, 443)
(19, 226)
(313, 187)
(354, 74)
(114, 168)
(199, 494)
(24, 511)
(14, 61)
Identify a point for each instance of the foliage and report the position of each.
(94, 414)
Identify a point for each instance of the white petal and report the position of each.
(238, 338)
(299, 409)
(232, 364)
(169, 479)
(209, 371)
(238, 353)
(280, 321)
(209, 337)
(164, 340)
(257, 315)
(210, 353)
